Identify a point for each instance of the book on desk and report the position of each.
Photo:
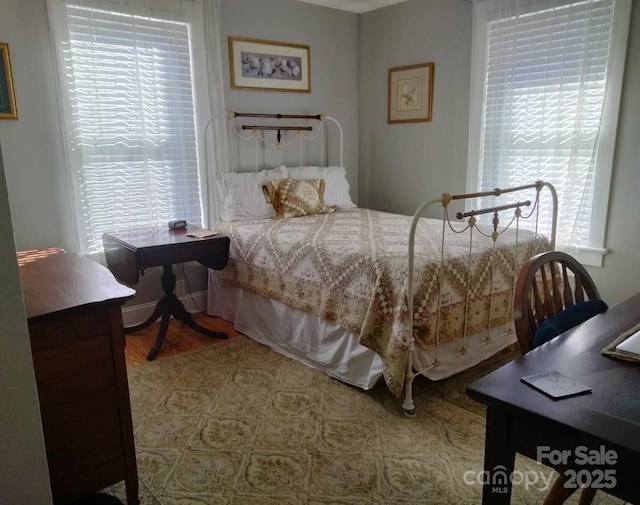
(631, 345)
(626, 346)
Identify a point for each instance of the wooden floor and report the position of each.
(180, 338)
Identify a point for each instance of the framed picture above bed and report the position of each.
(8, 109)
(264, 65)
(410, 93)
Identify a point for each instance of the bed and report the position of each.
(362, 294)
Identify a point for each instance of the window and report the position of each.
(545, 96)
(128, 98)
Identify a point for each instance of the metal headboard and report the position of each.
(256, 133)
(256, 129)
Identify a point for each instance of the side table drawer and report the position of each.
(178, 253)
(213, 253)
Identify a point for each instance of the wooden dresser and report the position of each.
(75, 324)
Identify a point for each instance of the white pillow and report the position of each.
(336, 189)
(240, 194)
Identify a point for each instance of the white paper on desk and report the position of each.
(201, 233)
(630, 344)
(555, 385)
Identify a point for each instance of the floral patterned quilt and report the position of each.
(351, 267)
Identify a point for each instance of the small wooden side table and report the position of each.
(130, 252)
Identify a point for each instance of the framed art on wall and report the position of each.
(410, 93)
(264, 65)
(8, 109)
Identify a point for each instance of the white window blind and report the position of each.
(131, 134)
(545, 76)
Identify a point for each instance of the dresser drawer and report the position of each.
(75, 388)
(64, 329)
(88, 480)
(77, 432)
(93, 445)
(80, 407)
(70, 360)
(72, 373)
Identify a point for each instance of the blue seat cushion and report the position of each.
(566, 319)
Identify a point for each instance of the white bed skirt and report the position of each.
(326, 346)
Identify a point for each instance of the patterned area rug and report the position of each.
(235, 423)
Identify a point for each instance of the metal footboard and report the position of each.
(517, 212)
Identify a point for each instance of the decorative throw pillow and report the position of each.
(336, 189)
(566, 319)
(296, 197)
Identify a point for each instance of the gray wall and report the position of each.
(24, 476)
(333, 38)
(33, 149)
(403, 164)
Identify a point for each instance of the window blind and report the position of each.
(546, 74)
(132, 138)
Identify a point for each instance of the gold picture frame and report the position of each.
(266, 65)
(410, 93)
(8, 109)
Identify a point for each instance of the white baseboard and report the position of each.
(136, 314)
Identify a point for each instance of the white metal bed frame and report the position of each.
(444, 200)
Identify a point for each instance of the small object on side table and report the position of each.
(130, 252)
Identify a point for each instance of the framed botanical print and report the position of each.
(410, 93)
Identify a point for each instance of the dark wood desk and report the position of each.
(130, 252)
(74, 315)
(520, 419)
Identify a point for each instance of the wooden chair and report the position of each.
(545, 288)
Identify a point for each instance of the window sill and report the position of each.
(591, 256)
